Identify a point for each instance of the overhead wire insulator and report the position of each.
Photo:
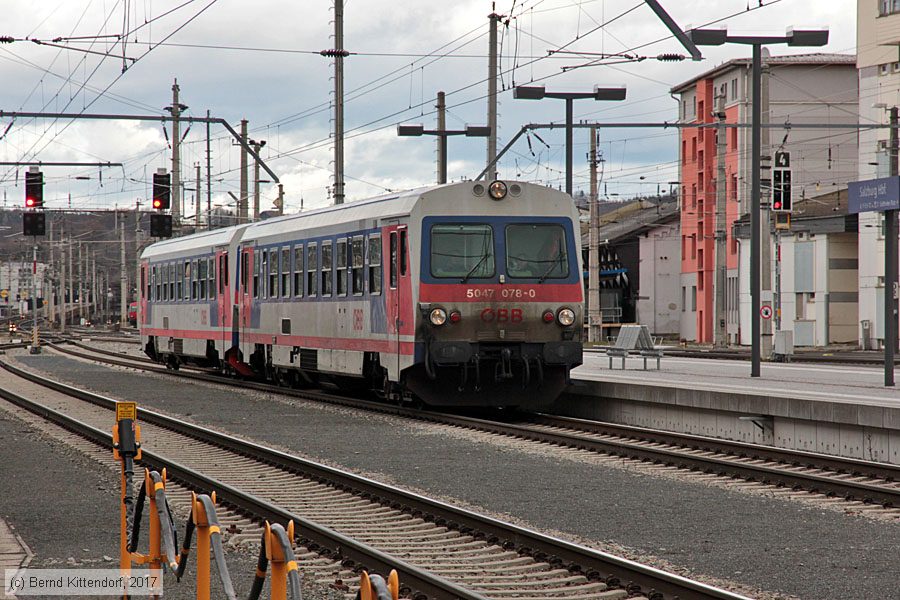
(670, 57)
(334, 52)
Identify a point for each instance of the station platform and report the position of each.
(834, 409)
(14, 553)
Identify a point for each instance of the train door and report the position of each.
(143, 293)
(223, 296)
(399, 290)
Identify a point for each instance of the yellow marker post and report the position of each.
(126, 449)
(204, 533)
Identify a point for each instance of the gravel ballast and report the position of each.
(762, 542)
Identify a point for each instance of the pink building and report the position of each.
(801, 88)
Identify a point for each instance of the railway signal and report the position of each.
(162, 190)
(34, 189)
(34, 223)
(782, 200)
(161, 226)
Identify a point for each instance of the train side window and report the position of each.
(393, 261)
(221, 272)
(326, 268)
(179, 281)
(374, 259)
(312, 269)
(201, 279)
(245, 267)
(195, 279)
(256, 274)
(298, 271)
(263, 272)
(187, 280)
(273, 273)
(165, 287)
(156, 285)
(171, 281)
(403, 252)
(356, 267)
(285, 272)
(143, 287)
(211, 262)
(224, 273)
(341, 267)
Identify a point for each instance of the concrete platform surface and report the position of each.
(850, 384)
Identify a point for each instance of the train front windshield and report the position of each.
(524, 251)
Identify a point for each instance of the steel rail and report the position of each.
(723, 464)
(310, 533)
(594, 564)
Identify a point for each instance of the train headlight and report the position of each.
(437, 316)
(565, 316)
(498, 190)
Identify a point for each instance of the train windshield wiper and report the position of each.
(475, 268)
(557, 260)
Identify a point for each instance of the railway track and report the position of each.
(441, 551)
(832, 476)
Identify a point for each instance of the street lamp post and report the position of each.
(417, 129)
(537, 92)
(793, 37)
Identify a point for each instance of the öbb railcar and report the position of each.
(467, 294)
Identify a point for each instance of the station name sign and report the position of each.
(873, 195)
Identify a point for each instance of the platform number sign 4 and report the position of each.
(782, 160)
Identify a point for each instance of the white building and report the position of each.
(878, 62)
(16, 281)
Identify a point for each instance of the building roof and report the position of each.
(633, 218)
(812, 58)
(825, 213)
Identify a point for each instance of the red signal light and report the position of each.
(29, 202)
(157, 203)
(777, 205)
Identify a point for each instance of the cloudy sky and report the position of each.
(260, 61)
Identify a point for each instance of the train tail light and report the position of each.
(455, 316)
(548, 316)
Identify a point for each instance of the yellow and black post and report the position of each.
(126, 449)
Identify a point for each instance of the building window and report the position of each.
(684, 113)
(694, 246)
(888, 7)
(693, 195)
(734, 89)
(884, 69)
(734, 187)
(683, 299)
(694, 149)
(734, 134)
(693, 298)
(684, 152)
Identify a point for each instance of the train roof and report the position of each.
(185, 244)
(399, 203)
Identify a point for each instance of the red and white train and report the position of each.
(461, 294)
